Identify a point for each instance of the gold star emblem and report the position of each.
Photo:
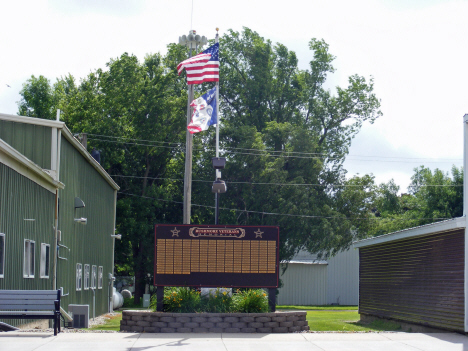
(258, 234)
(175, 232)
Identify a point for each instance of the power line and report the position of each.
(277, 184)
(149, 141)
(137, 144)
(159, 178)
(283, 214)
(274, 153)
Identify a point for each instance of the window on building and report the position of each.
(28, 266)
(78, 276)
(45, 260)
(93, 276)
(100, 278)
(86, 277)
(2, 255)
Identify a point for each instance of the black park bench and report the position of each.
(31, 304)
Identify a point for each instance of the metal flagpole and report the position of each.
(218, 172)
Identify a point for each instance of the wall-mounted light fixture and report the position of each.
(116, 236)
(79, 203)
(81, 220)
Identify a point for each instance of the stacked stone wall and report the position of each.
(162, 322)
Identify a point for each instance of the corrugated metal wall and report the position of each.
(304, 284)
(419, 280)
(91, 243)
(32, 141)
(20, 199)
(343, 278)
(308, 283)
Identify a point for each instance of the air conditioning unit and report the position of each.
(80, 315)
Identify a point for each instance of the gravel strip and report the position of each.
(97, 321)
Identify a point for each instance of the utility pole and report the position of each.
(191, 41)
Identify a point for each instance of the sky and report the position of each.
(415, 50)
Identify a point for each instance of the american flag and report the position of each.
(203, 67)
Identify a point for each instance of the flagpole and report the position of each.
(218, 172)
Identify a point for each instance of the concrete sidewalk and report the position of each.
(21, 341)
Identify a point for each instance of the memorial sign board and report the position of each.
(216, 256)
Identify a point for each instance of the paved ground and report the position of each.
(19, 341)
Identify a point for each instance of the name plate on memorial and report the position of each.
(219, 256)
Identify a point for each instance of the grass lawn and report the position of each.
(345, 321)
(113, 323)
(320, 318)
(339, 318)
(317, 308)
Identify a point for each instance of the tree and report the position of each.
(387, 200)
(438, 196)
(433, 197)
(284, 135)
(129, 101)
(37, 99)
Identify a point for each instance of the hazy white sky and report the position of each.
(416, 50)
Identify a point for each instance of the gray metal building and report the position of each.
(309, 281)
(57, 214)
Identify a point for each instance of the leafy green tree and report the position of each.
(438, 195)
(387, 200)
(117, 107)
(285, 137)
(37, 99)
(356, 202)
(434, 196)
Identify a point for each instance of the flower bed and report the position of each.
(163, 322)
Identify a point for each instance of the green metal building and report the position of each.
(57, 214)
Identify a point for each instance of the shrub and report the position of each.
(181, 299)
(130, 303)
(186, 300)
(217, 302)
(251, 301)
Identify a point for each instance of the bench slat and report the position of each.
(28, 292)
(21, 306)
(20, 295)
(28, 298)
(34, 313)
(27, 302)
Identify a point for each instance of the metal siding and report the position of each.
(91, 243)
(32, 141)
(418, 280)
(343, 278)
(21, 198)
(304, 284)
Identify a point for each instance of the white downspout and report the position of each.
(111, 280)
(465, 208)
(53, 168)
(465, 163)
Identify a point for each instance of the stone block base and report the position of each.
(162, 322)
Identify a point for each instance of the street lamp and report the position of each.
(192, 41)
(219, 186)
